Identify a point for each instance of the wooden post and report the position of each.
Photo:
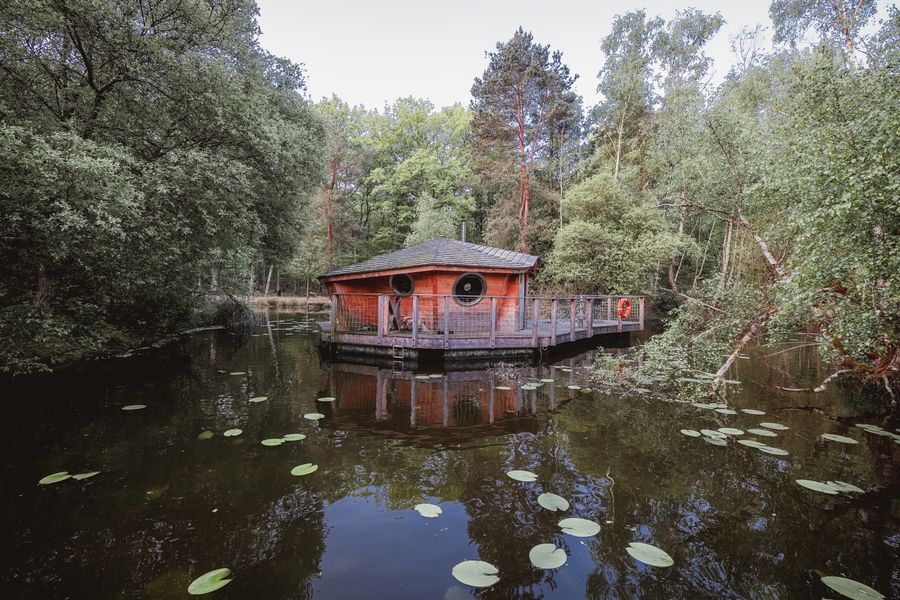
(493, 322)
(446, 322)
(415, 318)
(590, 318)
(553, 321)
(382, 318)
(641, 313)
(534, 324)
(609, 308)
(572, 320)
(334, 307)
(414, 400)
(619, 320)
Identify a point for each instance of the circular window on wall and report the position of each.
(469, 289)
(402, 284)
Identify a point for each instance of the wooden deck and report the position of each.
(381, 324)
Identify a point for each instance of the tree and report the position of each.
(523, 96)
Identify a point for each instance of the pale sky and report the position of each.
(372, 52)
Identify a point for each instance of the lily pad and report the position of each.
(85, 475)
(852, 589)
(423, 376)
(690, 432)
(314, 416)
(845, 487)
(238, 373)
(774, 451)
(726, 411)
(56, 477)
(649, 555)
(553, 502)
(547, 556)
(233, 432)
(752, 411)
(579, 527)
(304, 469)
(522, 475)
(818, 486)
(839, 438)
(730, 431)
(205, 435)
(429, 510)
(294, 437)
(209, 582)
(548, 380)
(775, 426)
(272, 442)
(713, 433)
(703, 405)
(762, 432)
(476, 573)
(574, 387)
(327, 399)
(502, 387)
(134, 407)
(715, 441)
(259, 399)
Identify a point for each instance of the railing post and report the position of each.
(334, 306)
(534, 324)
(572, 320)
(493, 321)
(619, 320)
(553, 322)
(641, 313)
(415, 324)
(382, 301)
(446, 322)
(609, 308)
(589, 326)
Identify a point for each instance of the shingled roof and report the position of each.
(443, 252)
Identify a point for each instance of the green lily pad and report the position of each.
(85, 475)
(238, 373)
(852, 589)
(751, 443)
(818, 486)
(547, 556)
(845, 487)
(762, 432)
(586, 390)
(314, 416)
(715, 441)
(730, 431)
(429, 510)
(574, 387)
(134, 407)
(205, 435)
(476, 573)
(553, 502)
(522, 475)
(502, 387)
(327, 399)
(435, 376)
(703, 405)
(752, 411)
(209, 582)
(726, 411)
(423, 377)
(272, 442)
(690, 432)
(839, 438)
(233, 432)
(579, 527)
(775, 426)
(259, 399)
(713, 433)
(548, 380)
(774, 451)
(56, 477)
(294, 437)
(649, 555)
(304, 469)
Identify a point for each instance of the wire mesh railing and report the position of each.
(442, 315)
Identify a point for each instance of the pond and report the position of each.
(175, 498)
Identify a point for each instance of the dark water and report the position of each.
(168, 506)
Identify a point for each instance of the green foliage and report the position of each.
(612, 244)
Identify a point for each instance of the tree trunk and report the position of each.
(268, 281)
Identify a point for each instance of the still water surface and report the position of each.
(168, 506)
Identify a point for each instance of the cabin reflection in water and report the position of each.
(429, 406)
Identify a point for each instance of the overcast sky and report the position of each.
(372, 52)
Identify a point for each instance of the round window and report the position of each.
(402, 284)
(469, 289)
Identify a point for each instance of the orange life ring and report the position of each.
(624, 313)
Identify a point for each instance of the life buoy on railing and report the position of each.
(624, 308)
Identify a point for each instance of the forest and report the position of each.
(158, 165)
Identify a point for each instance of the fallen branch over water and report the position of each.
(821, 387)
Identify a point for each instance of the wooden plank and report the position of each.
(493, 321)
(572, 320)
(334, 307)
(589, 325)
(641, 313)
(446, 322)
(534, 324)
(553, 322)
(415, 323)
(382, 320)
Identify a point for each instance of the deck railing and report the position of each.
(445, 316)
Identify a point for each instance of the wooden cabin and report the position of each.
(458, 298)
